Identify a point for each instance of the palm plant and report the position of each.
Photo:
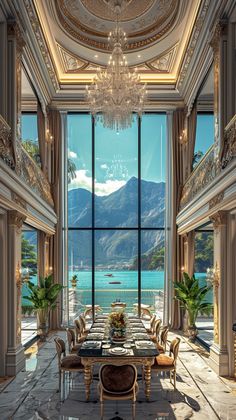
(192, 298)
(43, 299)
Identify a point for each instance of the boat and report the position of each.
(108, 275)
(114, 282)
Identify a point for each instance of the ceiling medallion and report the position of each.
(116, 93)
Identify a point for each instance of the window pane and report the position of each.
(29, 135)
(79, 170)
(29, 271)
(152, 266)
(79, 264)
(204, 136)
(116, 276)
(153, 156)
(116, 171)
(204, 258)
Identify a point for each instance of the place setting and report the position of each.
(145, 344)
(95, 336)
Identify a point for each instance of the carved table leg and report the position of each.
(87, 380)
(147, 377)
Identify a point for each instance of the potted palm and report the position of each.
(43, 299)
(192, 298)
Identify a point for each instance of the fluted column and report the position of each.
(15, 358)
(219, 352)
(3, 69)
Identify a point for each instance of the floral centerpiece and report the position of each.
(118, 322)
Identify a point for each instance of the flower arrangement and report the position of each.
(117, 321)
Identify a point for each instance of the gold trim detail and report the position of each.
(229, 149)
(36, 26)
(216, 200)
(6, 149)
(193, 41)
(164, 62)
(219, 219)
(70, 62)
(16, 219)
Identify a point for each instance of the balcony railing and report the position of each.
(209, 167)
(203, 174)
(21, 162)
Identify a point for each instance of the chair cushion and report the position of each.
(117, 379)
(164, 360)
(71, 362)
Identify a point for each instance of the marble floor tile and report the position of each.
(200, 393)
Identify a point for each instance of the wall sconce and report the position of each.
(24, 275)
(49, 271)
(49, 136)
(183, 139)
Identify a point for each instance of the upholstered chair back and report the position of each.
(174, 348)
(70, 337)
(164, 335)
(83, 324)
(78, 328)
(118, 379)
(152, 322)
(60, 348)
(157, 328)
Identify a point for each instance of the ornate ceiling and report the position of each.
(70, 39)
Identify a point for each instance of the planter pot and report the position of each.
(192, 333)
(118, 334)
(42, 317)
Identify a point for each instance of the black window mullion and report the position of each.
(93, 217)
(139, 217)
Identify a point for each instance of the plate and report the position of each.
(90, 344)
(140, 336)
(106, 346)
(118, 351)
(144, 344)
(128, 345)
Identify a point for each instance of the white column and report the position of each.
(3, 287)
(15, 359)
(219, 351)
(3, 69)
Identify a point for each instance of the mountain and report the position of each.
(119, 209)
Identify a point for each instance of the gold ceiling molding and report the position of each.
(89, 35)
(164, 62)
(100, 9)
(70, 62)
(193, 41)
(36, 26)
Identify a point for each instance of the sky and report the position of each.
(116, 155)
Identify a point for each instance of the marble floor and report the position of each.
(200, 394)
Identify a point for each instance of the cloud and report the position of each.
(83, 180)
(104, 166)
(72, 155)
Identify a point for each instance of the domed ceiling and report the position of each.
(89, 21)
(70, 39)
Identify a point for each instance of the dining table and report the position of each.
(100, 348)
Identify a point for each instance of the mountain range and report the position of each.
(118, 209)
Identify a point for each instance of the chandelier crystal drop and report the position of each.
(116, 93)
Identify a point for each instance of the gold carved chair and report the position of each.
(156, 331)
(161, 344)
(71, 363)
(83, 324)
(71, 339)
(118, 383)
(164, 363)
(79, 336)
(152, 323)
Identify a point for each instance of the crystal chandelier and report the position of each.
(116, 93)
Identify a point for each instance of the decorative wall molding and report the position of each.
(219, 219)
(6, 149)
(229, 149)
(216, 200)
(16, 219)
(164, 62)
(18, 200)
(70, 62)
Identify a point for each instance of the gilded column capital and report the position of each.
(14, 31)
(219, 30)
(219, 219)
(16, 219)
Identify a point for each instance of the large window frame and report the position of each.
(139, 229)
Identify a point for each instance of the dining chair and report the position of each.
(152, 322)
(71, 339)
(146, 313)
(71, 363)
(118, 383)
(161, 344)
(156, 331)
(164, 363)
(78, 331)
(83, 324)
